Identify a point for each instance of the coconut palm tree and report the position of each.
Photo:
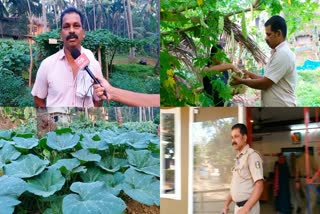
(3, 10)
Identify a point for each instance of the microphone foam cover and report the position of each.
(75, 53)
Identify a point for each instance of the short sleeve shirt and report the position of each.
(55, 82)
(246, 171)
(281, 70)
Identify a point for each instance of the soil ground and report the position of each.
(134, 207)
(6, 123)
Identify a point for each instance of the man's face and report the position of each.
(238, 140)
(72, 31)
(273, 39)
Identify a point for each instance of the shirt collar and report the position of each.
(243, 151)
(282, 44)
(62, 54)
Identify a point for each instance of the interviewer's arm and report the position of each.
(124, 96)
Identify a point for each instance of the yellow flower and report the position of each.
(170, 72)
(200, 2)
(169, 83)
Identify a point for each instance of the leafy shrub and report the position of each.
(135, 69)
(30, 126)
(15, 56)
(77, 172)
(10, 87)
(13, 90)
(148, 126)
(307, 91)
(134, 77)
(86, 125)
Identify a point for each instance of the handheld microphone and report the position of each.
(82, 61)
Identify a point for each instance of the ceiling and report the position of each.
(273, 119)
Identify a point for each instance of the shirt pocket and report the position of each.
(60, 87)
(244, 172)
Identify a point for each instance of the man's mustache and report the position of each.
(72, 35)
(234, 143)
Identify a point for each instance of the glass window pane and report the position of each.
(213, 161)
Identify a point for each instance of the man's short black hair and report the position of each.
(277, 23)
(214, 50)
(72, 10)
(243, 128)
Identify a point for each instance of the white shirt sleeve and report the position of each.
(255, 166)
(40, 87)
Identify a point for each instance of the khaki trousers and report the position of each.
(254, 210)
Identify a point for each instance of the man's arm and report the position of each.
(39, 102)
(226, 204)
(254, 197)
(221, 68)
(261, 83)
(251, 75)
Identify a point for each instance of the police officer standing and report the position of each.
(247, 175)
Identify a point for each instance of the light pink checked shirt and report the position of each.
(55, 82)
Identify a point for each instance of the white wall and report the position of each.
(273, 142)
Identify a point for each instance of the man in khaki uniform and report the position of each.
(247, 175)
(301, 177)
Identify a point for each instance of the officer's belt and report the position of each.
(241, 203)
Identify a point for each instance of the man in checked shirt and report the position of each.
(247, 175)
(278, 82)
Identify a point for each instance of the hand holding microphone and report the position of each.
(100, 89)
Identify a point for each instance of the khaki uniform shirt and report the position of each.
(281, 70)
(246, 171)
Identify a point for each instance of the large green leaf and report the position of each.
(7, 154)
(138, 140)
(4, 142)
(25, 143)
(92, 174)
(112, 164)
(26, 166)
(143, 161)
(113, 182)
(47, 183)
(112, 137)
(88, 143)
(69, 164)
(5, 134)
(10, 189)
(63, 141)
(79, 169)
(141, 187)
(91, 198)
(55, 205)
(85, 155)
